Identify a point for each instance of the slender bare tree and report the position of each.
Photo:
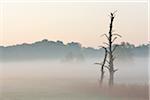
(109, 50)
(102, 66)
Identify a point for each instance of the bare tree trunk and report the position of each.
(102, 77)
(102, 67)
(111, 67)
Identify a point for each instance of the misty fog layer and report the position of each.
(132, 71)
(64, 80)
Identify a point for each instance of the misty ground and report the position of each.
(56, 90)
(59, 80)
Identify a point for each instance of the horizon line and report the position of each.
(30, 43)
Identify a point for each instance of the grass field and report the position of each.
(46, 90)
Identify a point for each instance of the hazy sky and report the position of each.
(80, 22)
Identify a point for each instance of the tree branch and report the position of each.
(115, 48)
(102, 65)
(114, 39)
(107, 61)
(115, 70)
(114, 57)
(105, 36)
(107, 67)
(117, 35)
(114, 12)
(106, 43)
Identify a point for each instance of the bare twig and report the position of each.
(115, 70)
(106, 43)
(114, 39)
(105, 36)
(115, 34)
(107, 67)
(98, 63)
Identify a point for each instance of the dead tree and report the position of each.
(110, 49)
(102, 66)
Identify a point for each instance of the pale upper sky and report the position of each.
(27, 22)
